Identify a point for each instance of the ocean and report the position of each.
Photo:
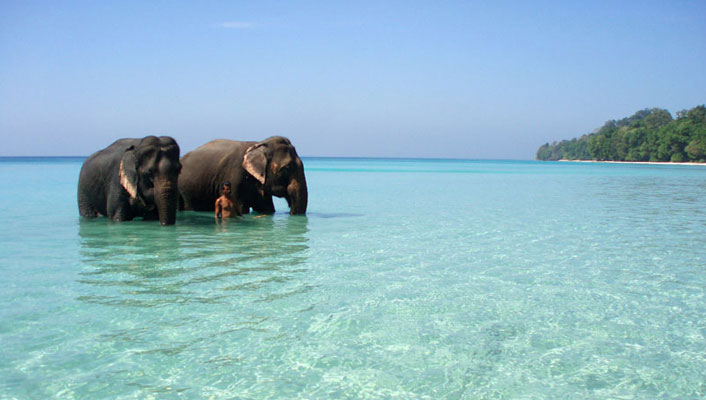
(409, 279)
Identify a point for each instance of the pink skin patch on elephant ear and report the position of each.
(126, 183)
(255, 162)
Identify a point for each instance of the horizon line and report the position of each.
(321, 157)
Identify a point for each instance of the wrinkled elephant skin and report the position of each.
(257, 171)
(132, 178)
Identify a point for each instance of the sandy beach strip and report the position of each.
(636, 162)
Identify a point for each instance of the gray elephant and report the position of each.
(132, 178)
(256, 170)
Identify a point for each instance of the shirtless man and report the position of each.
(225, 208)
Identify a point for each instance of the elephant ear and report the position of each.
(128, 172)
(255, 162)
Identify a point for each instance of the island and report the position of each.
(650, 135)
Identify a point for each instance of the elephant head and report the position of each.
(149, 172)
(275, 164)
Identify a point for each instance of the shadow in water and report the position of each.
(333, 215)
(198, 260)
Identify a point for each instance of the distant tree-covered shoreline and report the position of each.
(648, 135)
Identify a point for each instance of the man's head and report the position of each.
(225, 189)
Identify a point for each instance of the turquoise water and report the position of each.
(406, 279)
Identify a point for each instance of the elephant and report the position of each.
(257, 171)
(132, 178)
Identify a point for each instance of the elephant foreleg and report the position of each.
(151, 215)
(119, 208)
(242, 209)
(86, 209)
(264, 206)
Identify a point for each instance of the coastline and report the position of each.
(635, 162)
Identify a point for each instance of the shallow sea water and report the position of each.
(406, 279)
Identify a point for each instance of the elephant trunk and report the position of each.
(297, 195)
(166, 197)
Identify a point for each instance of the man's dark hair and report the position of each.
(226, 183)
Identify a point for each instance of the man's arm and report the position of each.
(218, 208)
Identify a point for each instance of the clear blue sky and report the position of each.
(380, 78)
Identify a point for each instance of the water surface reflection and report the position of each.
(197, 299)
(198, 260)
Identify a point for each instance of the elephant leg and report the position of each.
(239, 207)
(85, 208)
(185, 203)
(122, 214)
(242, 209)
(119, 208)
(181, 205)
(151, 215)
(264, 205)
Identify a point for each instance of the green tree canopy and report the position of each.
(648, 135)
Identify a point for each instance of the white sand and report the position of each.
(636, 162)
